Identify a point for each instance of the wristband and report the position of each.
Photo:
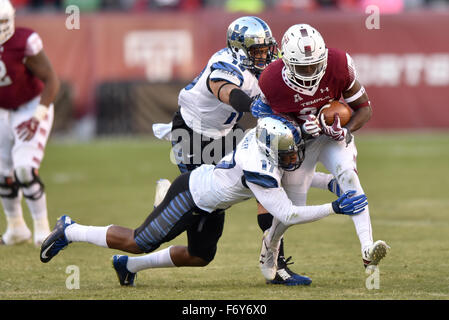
(41, 112)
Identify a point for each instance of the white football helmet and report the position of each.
(280, 139)
(305, 55)
(7, 14)
(247, 34)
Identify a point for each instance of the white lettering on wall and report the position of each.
(158, 51)
(391, 70)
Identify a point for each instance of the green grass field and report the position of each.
(406, 178)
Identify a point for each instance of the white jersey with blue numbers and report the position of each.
(227, 183)
(245, 173)
(201, 109)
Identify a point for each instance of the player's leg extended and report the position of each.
(27, 157)
(172, 217)
(340, 160)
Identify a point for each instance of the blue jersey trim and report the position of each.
(260, 179)
(227, 165)
(229, 68)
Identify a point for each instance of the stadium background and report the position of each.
(121, 72)
(122, 69)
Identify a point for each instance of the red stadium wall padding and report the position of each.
(404, 64)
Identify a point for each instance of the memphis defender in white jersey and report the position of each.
(200, 108)
(254, 169)
(232, 180)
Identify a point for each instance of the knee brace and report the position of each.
(30, 182)
(9, 188)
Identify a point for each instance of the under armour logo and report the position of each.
(297, 97)
(326, 89)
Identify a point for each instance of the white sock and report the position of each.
(362, 221)
(158, 259)
(13, 206)
(79, 233)
(276, 233)
(38, 208)
(13, 211)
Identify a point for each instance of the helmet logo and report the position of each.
(238, 32)
(308, 51)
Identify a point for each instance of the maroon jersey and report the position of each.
(286, 97)
(17, 84)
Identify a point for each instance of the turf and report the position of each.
(104, 182)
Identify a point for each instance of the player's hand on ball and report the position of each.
(27, 129)
(349, 204)
(312, 126)
(335, 131)
(260, 109)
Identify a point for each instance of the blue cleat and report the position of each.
(125, 277)
(56, 240)
(287, 277)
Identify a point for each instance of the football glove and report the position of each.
(27, 129)
(335, 131)
(311, 126)
(259, 109)
(350, 205)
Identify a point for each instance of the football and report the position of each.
(330, 109)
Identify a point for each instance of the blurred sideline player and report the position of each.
(213, 103)
(28, 86)
(253, 169)
(308, 76)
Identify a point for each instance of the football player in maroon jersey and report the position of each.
(28, 86)
(309, 76)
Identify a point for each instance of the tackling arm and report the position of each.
(275, 200)
(231, 94)
(281, 207)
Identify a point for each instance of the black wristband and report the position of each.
(240, 101)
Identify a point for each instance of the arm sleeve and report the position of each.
(34, 45)
(275, 200)
(352, 72)
(240, 101)
(321, 180)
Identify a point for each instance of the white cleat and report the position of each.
(162, 187)
(373, 254)
(15, 236)
(268, 258)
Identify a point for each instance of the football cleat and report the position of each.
(374, 253)
(125, 277)
(162, 187)
(56, 240)
(287, 277)
(15, 236)
(268, 258)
